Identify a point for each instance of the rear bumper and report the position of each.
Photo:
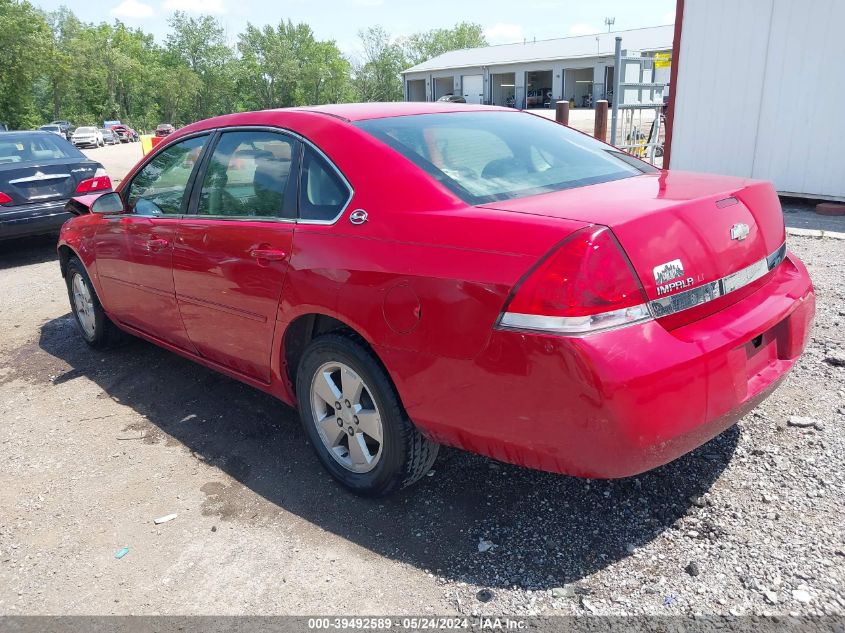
(621, 402)
(32, 219)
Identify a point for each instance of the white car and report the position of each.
(87, 137)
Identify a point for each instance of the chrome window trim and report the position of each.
(343, 179)
(694, 297)
(245, 218)
(237, 218)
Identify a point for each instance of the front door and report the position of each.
(231, 254)
(135, 249)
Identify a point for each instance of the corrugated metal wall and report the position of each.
(761, 93)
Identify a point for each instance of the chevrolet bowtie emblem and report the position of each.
(739, 231)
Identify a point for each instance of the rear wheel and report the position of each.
(93, 324)
(353, 417)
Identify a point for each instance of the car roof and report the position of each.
(24, 133)
(347, 112)
(364, 111)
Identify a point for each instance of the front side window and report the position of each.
(322, 192)
(249, 176)
(159, 188)
(487, 156)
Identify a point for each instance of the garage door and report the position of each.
(473, 88)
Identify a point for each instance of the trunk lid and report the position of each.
(680, 230)
(29, 183)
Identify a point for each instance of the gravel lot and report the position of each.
(97, 445)
(117, 159)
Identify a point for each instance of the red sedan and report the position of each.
(411, 275)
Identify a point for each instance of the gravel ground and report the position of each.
(97, 445)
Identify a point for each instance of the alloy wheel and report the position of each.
(346, 417)
(83, 305)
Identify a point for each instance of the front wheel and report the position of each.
(353, 417)
(93, 324)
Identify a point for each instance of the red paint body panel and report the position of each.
(425, 280)
(615, 403)
(227, 297)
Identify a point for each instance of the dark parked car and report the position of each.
(109, 137)
(39, 172)
(164, 129)
(452, 99)
(67, 128)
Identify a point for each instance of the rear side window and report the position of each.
(487, 156)
(159, 188)
(249, 175)
(323, 194)
(35, 147)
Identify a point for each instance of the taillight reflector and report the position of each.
(584, 285)
(90, 185)
(4, 199)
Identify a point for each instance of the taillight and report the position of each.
(585, 285)
(100, 182)
(4, 199)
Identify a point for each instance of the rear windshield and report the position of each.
(489, 156)
(19, 148)
(50, 128)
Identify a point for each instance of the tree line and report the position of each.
(54, 66)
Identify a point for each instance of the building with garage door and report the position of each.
(533, 74)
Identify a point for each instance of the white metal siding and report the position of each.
(760, 92)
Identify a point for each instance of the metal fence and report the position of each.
(638, 121)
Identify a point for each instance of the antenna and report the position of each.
(608, 22)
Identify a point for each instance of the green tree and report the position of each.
(287, 66)
(200, 43)
(24, 36)
(64, 29)
(377, 72)
(420, 47)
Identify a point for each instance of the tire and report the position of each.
(369, 467)
(91, 321)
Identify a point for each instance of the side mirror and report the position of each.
(104, 204)
(107, 204)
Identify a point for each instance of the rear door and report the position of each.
(135, 249)
(231, 254)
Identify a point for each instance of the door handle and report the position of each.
(157, 244)
(268, 254)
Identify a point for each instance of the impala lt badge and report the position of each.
(665, 273)
(668, 271)
(739, 231)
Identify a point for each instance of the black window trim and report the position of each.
(186, 199)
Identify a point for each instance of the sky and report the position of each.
(504, 21)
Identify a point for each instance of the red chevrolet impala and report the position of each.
(411, 275)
